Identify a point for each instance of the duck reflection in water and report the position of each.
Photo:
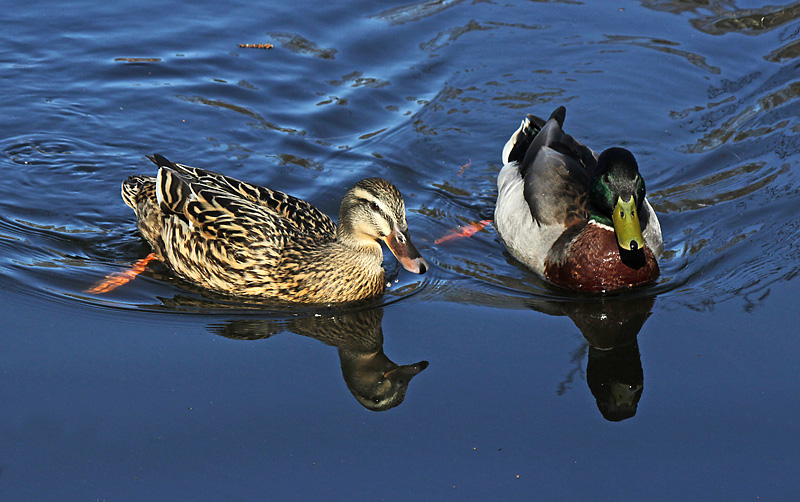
(374, 380)
(614, 369)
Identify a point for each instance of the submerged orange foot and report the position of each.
(115, 280)
(464, 231)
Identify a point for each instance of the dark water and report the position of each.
(157, 391)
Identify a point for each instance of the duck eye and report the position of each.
(374, 206)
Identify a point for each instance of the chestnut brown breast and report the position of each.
(593, 263)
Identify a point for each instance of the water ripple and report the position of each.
(310, 117)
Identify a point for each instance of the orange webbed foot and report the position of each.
(113, 281)
(464, 231)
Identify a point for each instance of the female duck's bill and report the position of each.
(399, 242)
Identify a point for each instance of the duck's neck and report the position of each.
(601, 219)
(350, 242)
(354, 269)
(335, 271)
(351, 250)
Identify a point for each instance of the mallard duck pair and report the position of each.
(579, 220)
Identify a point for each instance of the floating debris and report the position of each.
(256, 46)
(138, 60)
(464, 167)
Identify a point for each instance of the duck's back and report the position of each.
(222, 233)
(556, 169)
(542, 187)
(298, 214)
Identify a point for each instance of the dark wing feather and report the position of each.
(305, 219)
(236, 222)
(556, 170)
(172, 191)
(219, 217)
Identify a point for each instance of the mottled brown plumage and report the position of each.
(245, 240)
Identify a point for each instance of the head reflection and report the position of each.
(610, 325)
(616, 380)
(375, 381)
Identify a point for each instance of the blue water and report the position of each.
(159, 391)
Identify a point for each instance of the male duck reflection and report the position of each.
(614, 367)
(375, 381)
(241, 239)
(580, 221)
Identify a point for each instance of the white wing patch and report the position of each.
(513, 140)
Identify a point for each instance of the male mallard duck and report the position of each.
(580, 221)
(241, 239)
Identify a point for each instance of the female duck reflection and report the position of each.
(373, 379)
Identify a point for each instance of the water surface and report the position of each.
(680, 390)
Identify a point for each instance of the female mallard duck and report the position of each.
(240, 239)
(580, 221)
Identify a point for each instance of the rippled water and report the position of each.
(682, 389)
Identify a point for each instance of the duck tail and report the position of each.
(559, 114)
(131, 188)
(160, 160)
(518, 143)
(517, 146)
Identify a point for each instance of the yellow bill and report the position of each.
(626, 225)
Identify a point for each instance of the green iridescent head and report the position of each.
(617, 191)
